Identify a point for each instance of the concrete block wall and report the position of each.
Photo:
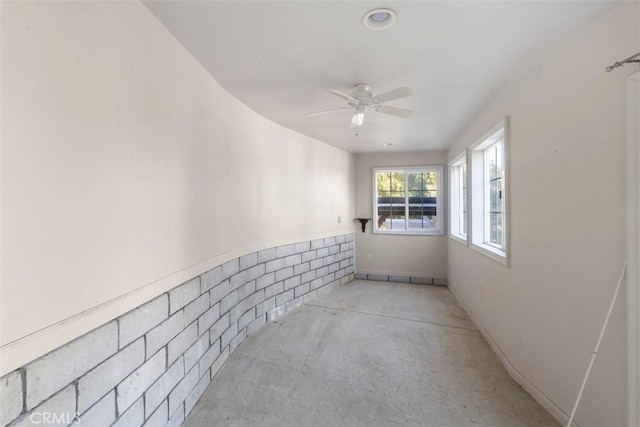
(402, 279)
(151, 365)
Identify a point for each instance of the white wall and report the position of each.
(567, 225)
(126, 170)
(424, 256)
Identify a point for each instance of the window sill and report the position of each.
(460, 239)
(491, 252)
(410, 233)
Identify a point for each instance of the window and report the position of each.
(407, 200)
(458, 197)
(489, 193)
(494, 191)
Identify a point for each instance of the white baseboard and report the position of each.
(536, 393)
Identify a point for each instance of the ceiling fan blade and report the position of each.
(356, 120)
(395, 111)
(396, 93)
(317, 113)
(342, 95)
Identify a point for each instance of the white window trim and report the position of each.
(439, 231)
(475, 185)
(454, 206)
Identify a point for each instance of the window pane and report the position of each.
(463, 218)
(462, 178)
(397, 217)
(494, 196)
(494, 188)
(422, 200)
(383, 183)
(492, 154)
(496, 232)
(390, 201)
(397, 181)
(390, 181)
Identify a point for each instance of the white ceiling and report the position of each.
(280, 57)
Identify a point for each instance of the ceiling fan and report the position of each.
(362, 100)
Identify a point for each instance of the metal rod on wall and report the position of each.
(630, 59)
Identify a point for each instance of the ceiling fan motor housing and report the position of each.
(363, 95)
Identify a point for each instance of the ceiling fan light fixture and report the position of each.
(357, 119)
(379, 19)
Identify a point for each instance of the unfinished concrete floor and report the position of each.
(368, 354)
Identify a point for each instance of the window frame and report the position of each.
(457, 198)
(478, 201)
(440, 214)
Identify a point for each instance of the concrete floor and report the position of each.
(368, 354)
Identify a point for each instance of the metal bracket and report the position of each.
(363, 221)
(630, 60)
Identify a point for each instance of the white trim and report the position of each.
(490, 251)
(454, 205)
(411, 232)
(518, 377)
(440, 198)
(459, 239)
(633, 247)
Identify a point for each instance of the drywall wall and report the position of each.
(127, 170)
(422, 256)
(567, 201)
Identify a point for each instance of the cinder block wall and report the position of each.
(151, 365)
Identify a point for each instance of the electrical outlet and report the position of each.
(339, 219)
(369, 257)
